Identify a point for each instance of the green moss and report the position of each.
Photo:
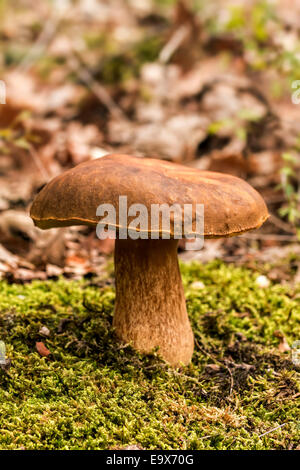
(93, 394)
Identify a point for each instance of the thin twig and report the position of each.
(207, 354)
(271, 430)
(231, 380)
(80, 68)
(39, 164)
(58, 12)
(275, 237)
(220, 363)
(172, 45)
(281, 224)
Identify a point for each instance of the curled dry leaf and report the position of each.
(42, 350)
(44, 331)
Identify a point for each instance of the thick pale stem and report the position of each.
(150, 308)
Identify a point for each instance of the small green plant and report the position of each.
(237, 125)
(291, 190)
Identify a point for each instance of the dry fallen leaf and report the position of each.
(74, 260)
(283, 344)
(213, 367)
(42, 350)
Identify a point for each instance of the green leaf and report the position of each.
(288, 171)
(22, 143)
(289, 190)
(5, 133)
(288, 157)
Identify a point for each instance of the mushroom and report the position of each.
(150, 310)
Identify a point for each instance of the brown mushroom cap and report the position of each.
(231, 206)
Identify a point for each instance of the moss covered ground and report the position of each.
(91, 393)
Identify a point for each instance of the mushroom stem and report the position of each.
(150, 309)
